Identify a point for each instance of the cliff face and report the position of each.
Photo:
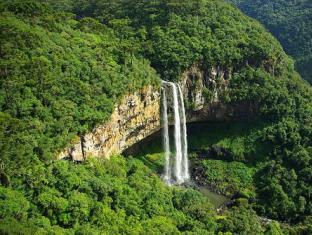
(134, 118)
(205, 93)
(138, 115)
(204, 86)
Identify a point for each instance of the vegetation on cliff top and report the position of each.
(66, 63)
(175, 35)
(60, 77)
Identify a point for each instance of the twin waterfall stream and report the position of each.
(176, 160)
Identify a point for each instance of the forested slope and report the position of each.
(64, 64)
(290, 23)
(61, 76)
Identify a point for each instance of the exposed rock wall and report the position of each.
(134, 118)
(138, 115)
(204, 91)
(204, 86)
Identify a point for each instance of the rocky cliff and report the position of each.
(138, 115)
(134, 118)
(205, 91)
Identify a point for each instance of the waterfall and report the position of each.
(167, 176)
(180, 163)
(185, 165)
(177, 135)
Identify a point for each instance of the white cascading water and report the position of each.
(181, 165)
(167, 175)
(185, 162)
(177, 135)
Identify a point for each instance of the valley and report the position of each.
(151, 117)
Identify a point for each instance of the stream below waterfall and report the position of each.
(216, 200)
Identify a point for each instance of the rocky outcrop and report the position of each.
(138, 115)
(204, 86)
(134, 118)
(205, 91)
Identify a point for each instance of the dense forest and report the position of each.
(290, 22)
(64, 64)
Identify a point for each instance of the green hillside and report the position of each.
(64, 64)
(290, 22)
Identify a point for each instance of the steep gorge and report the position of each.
(90, 81)
(137, 115)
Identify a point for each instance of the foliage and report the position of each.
(290, 23)
(59, 77)
(282, 166)
(274, 165)
(229, 178)
(242, 220)
(65, 64)
(114, 195)
(174, 35)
